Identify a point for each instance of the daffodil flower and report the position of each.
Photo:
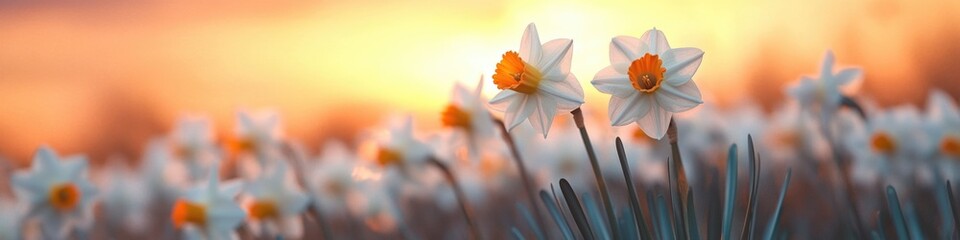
(208, 211)
(258, 133)
(58, 192)
(397, 148)
(274, 204)
(333, 178)
(536, 82)
(193, 143)
(648, 81)
(467, 115)
(822, 95)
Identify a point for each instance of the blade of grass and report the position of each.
(714, 219)
(575, 209)
(516, 234)
(692, 216)
(775, 220)
(654, 215)
(913, 224)
(665, 226)
(750, 220)
(558, 217)
(676, 204)
(953, 207)
(626, 222)
(641, 224)
(896, 214)
(593, 212)
(528, 216)
(731, 195)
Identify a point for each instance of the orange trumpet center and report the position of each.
(883, 142)
(515, 74)
(185, 212)
(261, 210)
(387, 157)
(454, 116)
(646, 73)
(64, 197)
(950, 146)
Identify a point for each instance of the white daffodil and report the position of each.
(127, 196)
(258, 133)
(539, 82)
(822, 95)
(887, 145)
(648, 81)
(332, 178)
(944, 118)
(193, 143)
(397, 148)
(467, 114)
(208, 211)
(58, 192)
(274, 203)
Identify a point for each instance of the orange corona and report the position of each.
(883, 142)
(64, 197)
(515, 74)
(185, 212)
(646, 73)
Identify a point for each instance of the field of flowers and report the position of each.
(529, 163)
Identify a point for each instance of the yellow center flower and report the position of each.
(883, 142)
(454, 116)
(185, 212)
(387, 157)
(950, 146)
(64, 196)
(515, 74)
(261, 210)
(646, 73)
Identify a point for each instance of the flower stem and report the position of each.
(578, 120)
(461, 198)
(846, 191)
(678, 179)
(524, 176)
(297, 162)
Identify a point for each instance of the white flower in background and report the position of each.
(888, 144)
(208, 211)
(536, 82)
(258, 133)
(790, 135)
(161, 176)
(397, 147)
(193, 143)
(374, 203)
(274, 203)
(943, 131)
(58, 192)
(10, 219)
(467, 114)
(822, 95)
(331, 179)
(126, 196)
(648, 81)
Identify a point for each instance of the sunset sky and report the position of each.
(102, 77)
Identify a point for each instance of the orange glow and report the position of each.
(646, 73)
(185, 212)
(64, 197)
(104, 78)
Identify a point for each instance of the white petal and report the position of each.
(556, 56)
(31, 182)
(542, 118)
(826, 67)
(847, 75)
(678, 99)
(530, 48)
(941, 107)
(231, 188)
(503, 99)
(653, 42)
(460, 94)
(609, 81)
(45, 158)
(624, 49)
(566, 91)
(655, 122)
(225, 216)
(623, 111)
(518, 111)
(73, 169)
(804, 91)
(681, 64)
(296, 204)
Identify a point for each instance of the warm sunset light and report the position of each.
(162, 87)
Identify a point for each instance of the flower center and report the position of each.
(387, 157)
(646, 73)
(64, 196)
(883, 142)
(515, 74)
(185, 212)
(950, 146)
(263, 210)
(455, 116)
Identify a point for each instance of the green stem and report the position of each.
(461, 197)
(611, 217)
(682, 187)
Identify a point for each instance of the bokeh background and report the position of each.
(102, 77)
